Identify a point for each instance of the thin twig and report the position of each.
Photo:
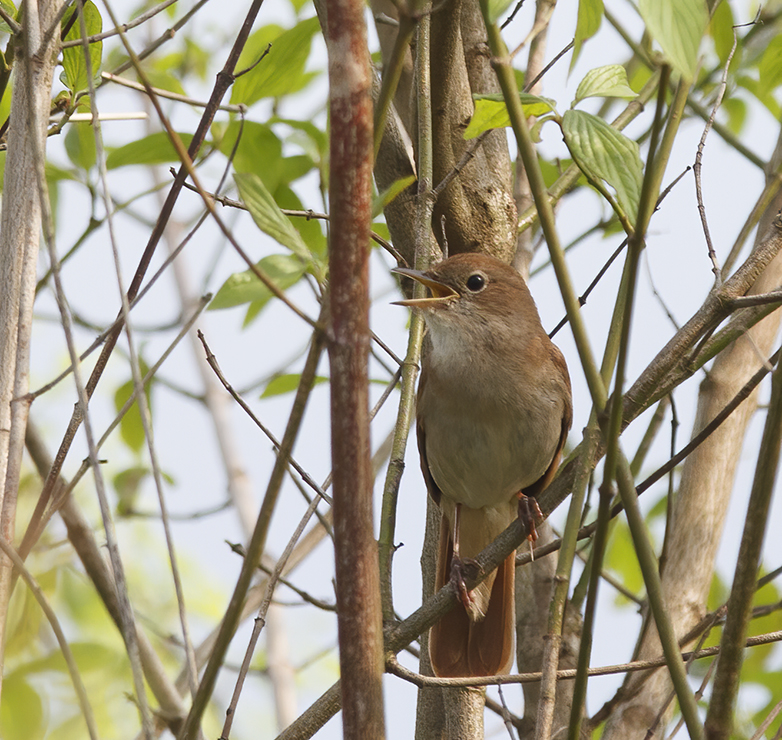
(260, 619)
(419, 680)
(109, 77)
(698, 166)
(143, 18)
(305, 476)
(135, 367)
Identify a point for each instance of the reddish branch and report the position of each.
(358, 590)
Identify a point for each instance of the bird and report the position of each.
(494, 408)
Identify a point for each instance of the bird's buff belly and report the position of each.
(478, 465)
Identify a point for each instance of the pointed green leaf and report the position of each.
(384, 198)
(80, 145)
(678, 26)
(603, 153)
(284, 270)
(257, 150)
(281, 71)
(267, 215)
(605, 82)
(491, 112)
(153, 149)
(21, 711)
(131, 427)
(590, 14)
(770, 67)
(721, 30)
(287, 383)
(74, 67)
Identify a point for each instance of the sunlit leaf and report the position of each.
(284, 270)
(605, 82)
(286, 383)
(721, 30)
(678, 26)
(267, 215)
(281, 71)
(131, 427)
(603, 153)
(153, 149)
(770, 67)
(10, 9)
(80, 145)
(74, 67)
(622, 560)
(497, 8)
(21, 711)
(490, 112)
(391, 192)
(590, 14)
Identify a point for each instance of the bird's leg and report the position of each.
(458, 564)
(529, 511)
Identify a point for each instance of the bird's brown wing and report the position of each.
(457, 645)
(541, 483)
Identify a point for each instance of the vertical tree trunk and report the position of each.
(20, 229)
(350, 188)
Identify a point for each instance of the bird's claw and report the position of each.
(529, 511)
(458, 568)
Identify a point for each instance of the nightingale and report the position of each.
(493, 413)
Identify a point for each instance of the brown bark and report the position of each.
(358, 584)
(20, 229)
(701, 503)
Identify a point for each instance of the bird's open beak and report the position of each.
(441, 293)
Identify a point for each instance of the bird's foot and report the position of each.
(529, 511)
(459, 568)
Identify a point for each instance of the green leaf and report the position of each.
(258, 150)
(721, 30)
(603, 153)
(770, 67)
(284, 270)
(130, 427)
(21, 711)
(152, 149)
(310, 229)
(491, 112)
(74, 75)
(281, 72)
(267, 215)
(762, 94)
(736, 108)
(497, 8)
(678, 26)
(605, 82)
(286, 383)
(127, 484)
(590, 14)
(165, 80)
(10, 9)
(394, 189)
(80, 145)
(623, 561)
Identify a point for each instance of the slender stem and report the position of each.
(719, 719)
(257, 544)
(410, 365)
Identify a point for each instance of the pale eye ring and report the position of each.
(476, 282)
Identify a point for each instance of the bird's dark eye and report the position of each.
(476, 283)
